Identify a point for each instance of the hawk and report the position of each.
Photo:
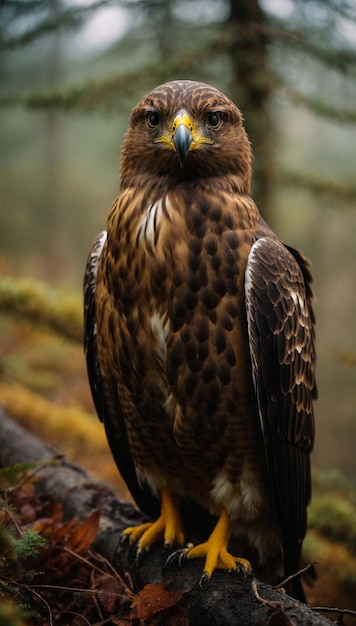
(199, 341)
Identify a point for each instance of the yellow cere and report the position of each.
(193, 126)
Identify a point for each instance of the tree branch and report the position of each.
(227, 599)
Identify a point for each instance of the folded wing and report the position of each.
(281, 336)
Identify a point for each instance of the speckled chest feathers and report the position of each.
(176, 282)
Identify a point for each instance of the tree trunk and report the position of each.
(227, 599)
(252, 87)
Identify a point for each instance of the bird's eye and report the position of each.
(214, 120)
(153, 119)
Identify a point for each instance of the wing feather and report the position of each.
(90, 329)
(104, 391)
(281, 336)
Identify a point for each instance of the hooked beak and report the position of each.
(182, 136)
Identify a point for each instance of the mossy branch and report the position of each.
(342, 59)
(320, 107)
(108, 92)
(34, 302)
(342, 190)
(69, 18)
(34, 411)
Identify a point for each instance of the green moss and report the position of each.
(28, 544)
(334, 518)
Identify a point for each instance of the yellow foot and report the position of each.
(216, 558)
(215, 551)
(167, 528)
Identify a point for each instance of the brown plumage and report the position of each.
(199, 339)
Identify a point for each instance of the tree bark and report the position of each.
(227, 599)
(251, 90)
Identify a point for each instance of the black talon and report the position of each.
(167, 547)
(182, 557)
(168, 561)
(140, 555)
(124, 539)
(241, 569)
(203, 580)
(132, 554)
(177, 555)
(172, 558)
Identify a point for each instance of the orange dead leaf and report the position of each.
(47, 523)
(114, 594)
(85, 533)
(153, 599)
(57, 512)
(44, 526)
(63, 531)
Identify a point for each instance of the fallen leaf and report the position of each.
(85, 533)
(152, 599)
(113, 594)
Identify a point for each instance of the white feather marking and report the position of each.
(244, 499)
(95, 254)
(298, 300)
(93, 264)
(156, 480)
(172, 407)
(160, 329)
(251, 491)
(250, 262)
(147, 228)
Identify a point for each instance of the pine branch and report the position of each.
(343, 191)
(343, 59)
(92, 94)
(69, 18)
(344, 9)
(345, 116)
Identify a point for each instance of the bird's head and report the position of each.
(187, 130)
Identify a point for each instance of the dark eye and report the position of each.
(214, 119)
(153, 119)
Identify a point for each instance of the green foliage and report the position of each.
(10, 475)
(340, 190)
(322, 108)
(63, 17)
(333, 481)
(331, 536)
(332, 513)
(107, 92)
(10, 613)
(334, 518)
(37, 303)
(29, 544)
(16, 546)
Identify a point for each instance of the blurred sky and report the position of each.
(106, 26)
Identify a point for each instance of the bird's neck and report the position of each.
(155, 186)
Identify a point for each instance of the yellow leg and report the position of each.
(166, 528)
(215, 549)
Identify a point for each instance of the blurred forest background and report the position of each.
(70, 72)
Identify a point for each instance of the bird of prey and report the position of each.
(199, 340)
